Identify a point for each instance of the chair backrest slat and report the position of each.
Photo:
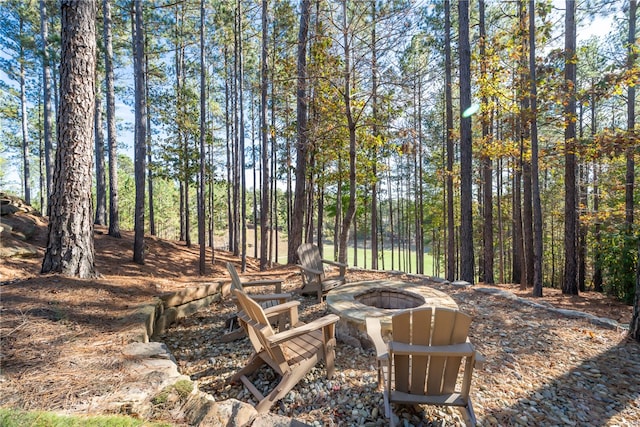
(235, 279)
(442, 327)
(458, 336)
(401, 327)
(309, 256)
(420, 333)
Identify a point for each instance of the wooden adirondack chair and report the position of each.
(291, 353)
(421, 362)
(313, 276)
(234, 327)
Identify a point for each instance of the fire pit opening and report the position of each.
(389, 299)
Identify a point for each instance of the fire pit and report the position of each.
(354, 302)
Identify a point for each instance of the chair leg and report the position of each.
(287, 382)
(253, 365)
(387, 408)
(329, 357)
(468, 415)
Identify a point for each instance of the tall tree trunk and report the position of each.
(535, 179)
(631, 116)
(375, 134)
(525, 136)
(583, 201)
(70, 249)
(201, 176)
(152, 218)
(500, 223)
(255, 189)
(26, 174)
(487, 168)
(420, 210)
(264, 209)
(140, 134)
(101, 190)
(297, 215)
(48, 108)
(351, 207)
(112, 143)
(466, 213)
(451, 264)
(273, 196)
(597, 257)
(518, 247)
(241, 130)
(228, 142)
(570, 285)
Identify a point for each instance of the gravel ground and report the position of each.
(542, 368)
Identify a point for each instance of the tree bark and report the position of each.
(451, 265)
(48, 107)
(243, 184)
(112, 143)
(487, 167)
(264, 208)
(140, 145)
(570, 285)
(26, 174)
(375, 134)
(466, 212)
(101, 184)
(535, 179)
(351, 207)
(70, 249)
(631, 117)
(201, 176)
(297, 215)
(152, 217)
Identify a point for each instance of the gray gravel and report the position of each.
(542, 368)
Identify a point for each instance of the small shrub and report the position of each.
(619, 257)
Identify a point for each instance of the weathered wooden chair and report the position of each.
(420, 363)
(291, 353)
(234, 327)
(314, 280)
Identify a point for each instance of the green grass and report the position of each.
(400, 261)
(18, 418)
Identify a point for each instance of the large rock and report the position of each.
(272, 420)
(229, 413)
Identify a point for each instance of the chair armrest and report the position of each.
(320, 323)
(459, 350)
(374, 330)
(265, 282)
(336, 263)
(269, 297)
(282, 307)
(311, 270)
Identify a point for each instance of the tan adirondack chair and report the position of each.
(291, 353)
(314, 280)
(234, 325)
(421, 362)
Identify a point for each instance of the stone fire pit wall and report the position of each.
(390, 299)
(354, 302)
